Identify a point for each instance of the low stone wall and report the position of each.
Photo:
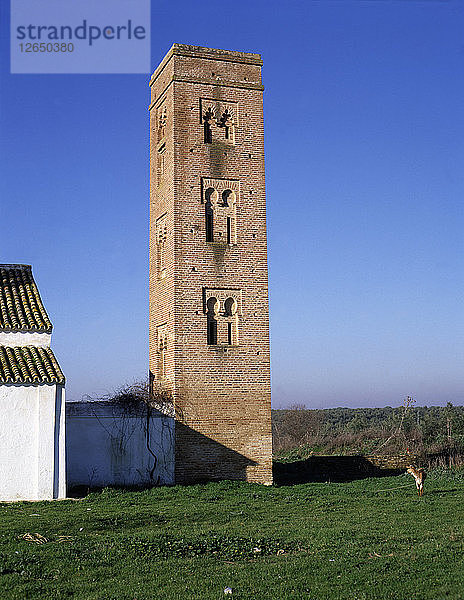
(113, 444)
(401, 461)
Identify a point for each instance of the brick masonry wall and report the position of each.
(221, 392)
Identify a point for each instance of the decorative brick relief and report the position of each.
(161, 164)
(162, 346)
(220, 197)
(219, 120)
(159, 135)
(161, 236)
(222, 308)
(161, 121)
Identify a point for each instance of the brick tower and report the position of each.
(209, 315)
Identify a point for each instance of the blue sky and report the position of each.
(364, 124)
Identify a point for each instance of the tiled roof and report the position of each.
(21, 308)
(29, 364)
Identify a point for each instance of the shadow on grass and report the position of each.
(434, 492)
(336, 469)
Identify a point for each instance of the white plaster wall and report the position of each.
(25, 338)
(32, 442)
(108, 446)
(18, 442)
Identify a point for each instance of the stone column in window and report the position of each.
(230, 313)
(228, 203)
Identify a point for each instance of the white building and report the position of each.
(32, 396)
(46, 446)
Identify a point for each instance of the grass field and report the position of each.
(315, 541)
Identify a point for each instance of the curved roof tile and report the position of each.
(21, 308)
(29, 364)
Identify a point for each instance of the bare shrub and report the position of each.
(398, 436)
(298, 427)
(137, 394)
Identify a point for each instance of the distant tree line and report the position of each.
(436, 431)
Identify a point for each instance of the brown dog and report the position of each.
(419, 475)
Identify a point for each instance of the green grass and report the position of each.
(314, 541)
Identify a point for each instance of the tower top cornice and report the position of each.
(214, 54)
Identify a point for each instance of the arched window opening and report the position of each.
(228, 202)
(210, 198)
(230, 307)
(227, 122)
(212, 331)
(209, 218)
(208, 133)
(211, 195)
(227, 197)
(208, 119)
(212, 306)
